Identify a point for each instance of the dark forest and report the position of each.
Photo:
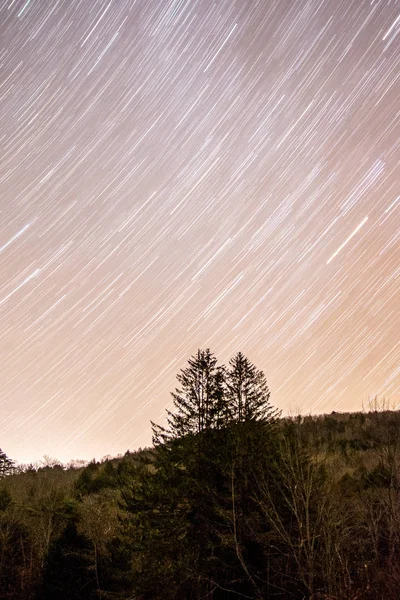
(231, 501)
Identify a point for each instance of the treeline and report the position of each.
(232, 501)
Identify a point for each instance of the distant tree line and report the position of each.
(232, 501)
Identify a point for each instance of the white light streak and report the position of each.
(23, 8)
(31, 276)
(391, 28)
(15, 237)
(220, 48)
(347, 240)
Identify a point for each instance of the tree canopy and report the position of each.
(212, 396)
(231, 502)
(6, 464)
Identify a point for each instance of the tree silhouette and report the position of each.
(192, 511)
(6, 464)
(68, 571)
(247, 391)
(198, 402)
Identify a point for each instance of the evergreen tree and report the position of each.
(247, 391)
(199, 402)
(192, 514)
(6, 464)
(68, 571)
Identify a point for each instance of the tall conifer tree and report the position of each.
(247, 391)
(199, 402)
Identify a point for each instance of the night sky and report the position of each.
(183, 174)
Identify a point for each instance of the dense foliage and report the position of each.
(231, 502)
(6, 464)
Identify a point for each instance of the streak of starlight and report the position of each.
(177, 174)
(346, 241)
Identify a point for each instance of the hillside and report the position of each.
(325, 525)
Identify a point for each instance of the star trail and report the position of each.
(183, 174)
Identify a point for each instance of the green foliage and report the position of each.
(93, 479)
(190, 519)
